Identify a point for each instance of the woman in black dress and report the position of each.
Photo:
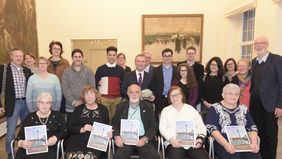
(211, 84)
(80, 125)
(230, 68)
(186, 80)
(55, 125)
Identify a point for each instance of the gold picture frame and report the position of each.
(175, 31)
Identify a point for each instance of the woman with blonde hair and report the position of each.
(43, 82)
(80, 124)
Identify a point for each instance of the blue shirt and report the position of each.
(167, 75)
(135, 114)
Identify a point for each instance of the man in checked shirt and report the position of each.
(15, 89)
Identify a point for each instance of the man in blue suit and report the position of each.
(266, 96)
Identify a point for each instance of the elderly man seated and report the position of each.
(135, 109)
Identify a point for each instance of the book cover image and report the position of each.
(238, 137)
(38, 136)
(98, 138)
(185, 132)
(129, 131)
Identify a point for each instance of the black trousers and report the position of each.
(267, 128)
(148, 151)
(160, 103)
(181, 153)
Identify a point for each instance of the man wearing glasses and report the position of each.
(163, 76)
(266, 96)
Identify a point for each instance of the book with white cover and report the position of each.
(98, 138)
(129, 131)
(38, 136)
(238, 137)
(185, 132)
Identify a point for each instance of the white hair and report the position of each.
(231, 86)
(44, 95)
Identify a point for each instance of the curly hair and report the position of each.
(219, 65)
(191, 79)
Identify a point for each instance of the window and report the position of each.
(248, 34)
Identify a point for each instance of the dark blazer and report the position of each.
(147, 116)
(270, 86)
(130, 78)
(10, 89)
(151, 69)
(157, 83)
(197, 68)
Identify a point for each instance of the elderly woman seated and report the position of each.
(80, 125)
(55, 125)
(179, 111)
(228, 113)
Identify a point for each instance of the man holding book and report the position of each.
(135, 110)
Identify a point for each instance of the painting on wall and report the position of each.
(175, 31)
(17, 27)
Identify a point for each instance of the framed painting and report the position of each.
(174, 31)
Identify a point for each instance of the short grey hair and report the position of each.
(231, 86)
(44, 95)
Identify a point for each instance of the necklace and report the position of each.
(44, 123)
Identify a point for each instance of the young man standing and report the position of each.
(108, 78)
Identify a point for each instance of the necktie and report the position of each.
(140, 79)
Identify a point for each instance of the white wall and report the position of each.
(268, 22)
(64, 20)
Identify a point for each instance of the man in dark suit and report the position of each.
(163, 76)
(266, 96)
(134, 109)
(149, 67)
(15, 91)
(197, 67)
(138, 76)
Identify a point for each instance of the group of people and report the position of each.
(240, 93)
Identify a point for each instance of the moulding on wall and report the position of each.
(240, 7)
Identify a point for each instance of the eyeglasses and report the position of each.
(232, 94)
(183, 70)
(213, 64)
(48, 103)
(260, 43)
(56, 48)
(167, 55)
(42, 63)
(174, 95)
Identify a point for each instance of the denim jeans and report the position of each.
(19, 111)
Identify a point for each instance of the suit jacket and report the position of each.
(130, 78)
(151, 69)
(157, 83)
(197, 68)
(10, 96)
(147, 117)
(270, 86)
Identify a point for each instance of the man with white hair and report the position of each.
(135, 109)
(266, 95)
